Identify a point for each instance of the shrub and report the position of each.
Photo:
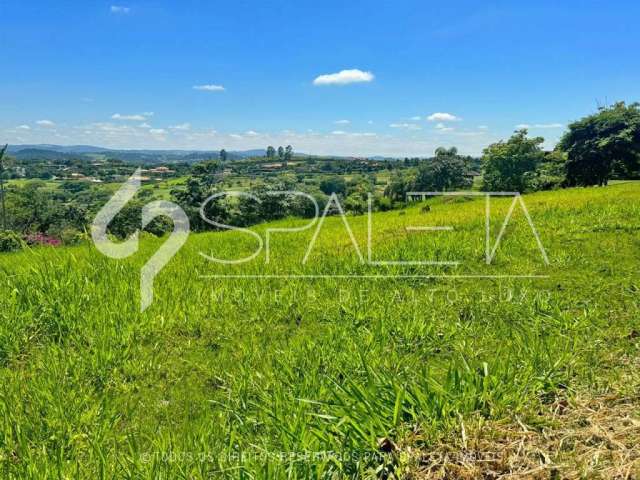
(383, 204)
(71, 236)
(355, 204)
(42, 239)
(159, 226)
(10, 241)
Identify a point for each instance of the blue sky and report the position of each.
(122, 74)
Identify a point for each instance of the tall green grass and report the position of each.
(301, 377)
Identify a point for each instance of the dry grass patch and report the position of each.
(589, 437)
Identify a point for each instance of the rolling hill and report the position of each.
(361, 370)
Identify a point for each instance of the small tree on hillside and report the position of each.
(206, 172)
(271, 152)
(510, 165)
(223, 155)
(398, 186)
(333, 185)
(288, 153)
(446, 171)
(596, 144)
(281, 152)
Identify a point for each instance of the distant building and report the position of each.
(160, 170)
(271, 166)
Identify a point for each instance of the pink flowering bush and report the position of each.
(41, 239)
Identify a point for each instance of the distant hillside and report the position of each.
(56, 152)
(80, 149)
(59, 152)
(42, 154)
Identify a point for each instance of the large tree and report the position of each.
(207, 172)
(446, 171)
(598, 143)
(510, 166)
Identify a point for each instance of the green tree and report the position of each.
(550, 173)
(206, 171)
(223, 155)
(194, 196)
(510, 165)
(355, 204)
(2, 169)
(33, 207)
(281, 152)
(599, 142)
(446, 171)
(271, 152)
(333, 185)
(398, 187)
(288, 153)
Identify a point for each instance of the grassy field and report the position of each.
(349, 370)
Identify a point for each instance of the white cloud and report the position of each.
(470, 134)
(416, 118)
(539, 125)
(251, 133)
(407, 126)
(24, 127)
(342, 122)
(46, 123)
(483, 127)
(118, 9)
(441, 127)
(182, 126)
(396, 142)
(364, 134)
(443, 117)
(370, 122)
(209, 88)
(344, 77)
(136, 117)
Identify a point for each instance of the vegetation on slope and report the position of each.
(303, 377)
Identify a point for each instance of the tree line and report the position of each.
(594, 149)
(590, 152)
